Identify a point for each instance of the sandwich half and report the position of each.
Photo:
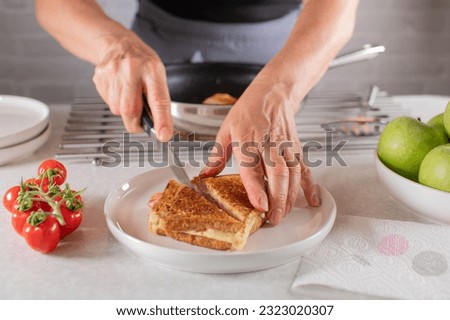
(186, 215)
(228, 193)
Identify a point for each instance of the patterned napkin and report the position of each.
(375, 258)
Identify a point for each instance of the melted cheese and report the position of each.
(236, 239)
(154, 223)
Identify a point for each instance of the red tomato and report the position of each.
(71, 208)
(42, 232)
(73, 199)
(44, 206)
(18, 220)
(52, 171)
(33, 184)
(9, 198)
(48, 185)
(17, 199)
(73, 220)
(11, 202)
(43, 184)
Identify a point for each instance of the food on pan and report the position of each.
(220, 98)
(217, 215)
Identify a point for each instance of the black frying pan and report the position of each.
(194, 82)
(191, 83)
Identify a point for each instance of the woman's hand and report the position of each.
(128, 69)
(261, 133)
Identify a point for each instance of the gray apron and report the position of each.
(177, 39)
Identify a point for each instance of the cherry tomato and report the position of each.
(31, 183)
(41, 232)
(17, 199)
(9, 198)
(11, 202)
(34, 184)
(52, 171)
(44, 206)
(73, 220)
(18, 220)
(73, 199)
(71, 208)
(45, 186)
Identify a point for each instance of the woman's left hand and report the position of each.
(260, 131)
(260, 128)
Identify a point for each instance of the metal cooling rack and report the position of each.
(93, 133)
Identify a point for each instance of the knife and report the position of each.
(174, 161)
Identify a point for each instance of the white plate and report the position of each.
(25, 149)
(127, 213)
(21, 119)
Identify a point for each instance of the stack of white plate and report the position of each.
(24, 127)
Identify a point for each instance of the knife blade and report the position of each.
(174, 161)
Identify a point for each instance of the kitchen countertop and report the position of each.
(91, 264)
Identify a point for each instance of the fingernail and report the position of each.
(316, 200)
(164, 134)
(263, 203)
(276, 216)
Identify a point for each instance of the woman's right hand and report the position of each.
(129, 69)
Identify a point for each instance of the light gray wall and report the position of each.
(415, 32)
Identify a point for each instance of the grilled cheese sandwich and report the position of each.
(217, 215)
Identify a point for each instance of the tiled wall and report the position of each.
(416, 34)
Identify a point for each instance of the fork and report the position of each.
(359, 126)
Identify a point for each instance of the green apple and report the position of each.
(447, 120)
(435, 168)
(437, 122)
(404, 143)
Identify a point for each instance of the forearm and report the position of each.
(81, 27)
(322, 29)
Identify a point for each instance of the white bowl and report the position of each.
(426, 202)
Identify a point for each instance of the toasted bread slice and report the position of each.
(186, 215)
(228, 192)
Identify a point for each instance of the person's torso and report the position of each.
(229, 10)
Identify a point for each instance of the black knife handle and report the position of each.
(147, 118)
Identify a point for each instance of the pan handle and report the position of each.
(368, 52)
